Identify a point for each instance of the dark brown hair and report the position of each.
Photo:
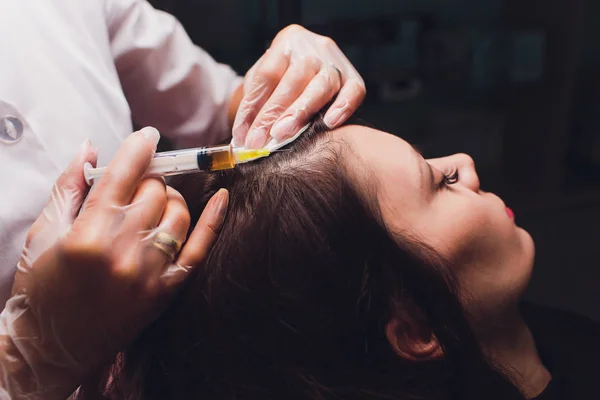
(295, 296)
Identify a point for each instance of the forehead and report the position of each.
(385, 155)
(393, 166)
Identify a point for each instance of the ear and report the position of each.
(412, 342)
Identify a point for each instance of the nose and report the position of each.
(467, 172)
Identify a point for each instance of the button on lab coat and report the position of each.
(73, 70)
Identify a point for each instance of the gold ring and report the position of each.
(167, 244)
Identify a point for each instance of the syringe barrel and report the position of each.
(192, 160)
(178, 162)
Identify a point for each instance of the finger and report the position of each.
(261, 83)
(139, 219)
(347, 102)
(67, 196)
(353, 89)
(249, 78)
(198, 246)
(317, 94)
(147, 206)
(289, 89)
(175, 223)
(124, 173)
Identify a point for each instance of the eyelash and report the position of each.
(450, 179)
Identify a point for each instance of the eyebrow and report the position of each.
(425, 169)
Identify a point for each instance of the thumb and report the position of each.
(62, 207)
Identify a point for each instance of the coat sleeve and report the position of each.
(169, 82)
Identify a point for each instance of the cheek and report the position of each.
(453, 225)
(485, 239)
(476, 235)
(492, 260)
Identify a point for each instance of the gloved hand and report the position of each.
(88, 283)
(291, 82)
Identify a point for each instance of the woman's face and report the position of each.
(439, 202)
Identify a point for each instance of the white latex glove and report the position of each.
(299, 74)
(89, 282)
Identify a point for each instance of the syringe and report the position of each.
(188, 161)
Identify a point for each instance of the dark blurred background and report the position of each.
(514, 83)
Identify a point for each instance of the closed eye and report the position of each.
(450, 178)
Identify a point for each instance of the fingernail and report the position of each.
(334, 117)
(86, 153)
(151, 133)
(221, 202)
(238, 132)
(85, 146)
(255, 138)
(284, 128)
(94, 153)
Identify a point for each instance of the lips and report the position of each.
(510, 213)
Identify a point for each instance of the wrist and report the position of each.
(234, 103)
(16, 371)
(24, 374)
(29, 379)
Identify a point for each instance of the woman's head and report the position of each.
(343, 270)
(439, 202)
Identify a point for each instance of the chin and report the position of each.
(528, 244)
(527, 257)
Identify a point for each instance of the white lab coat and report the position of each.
(72, 70)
